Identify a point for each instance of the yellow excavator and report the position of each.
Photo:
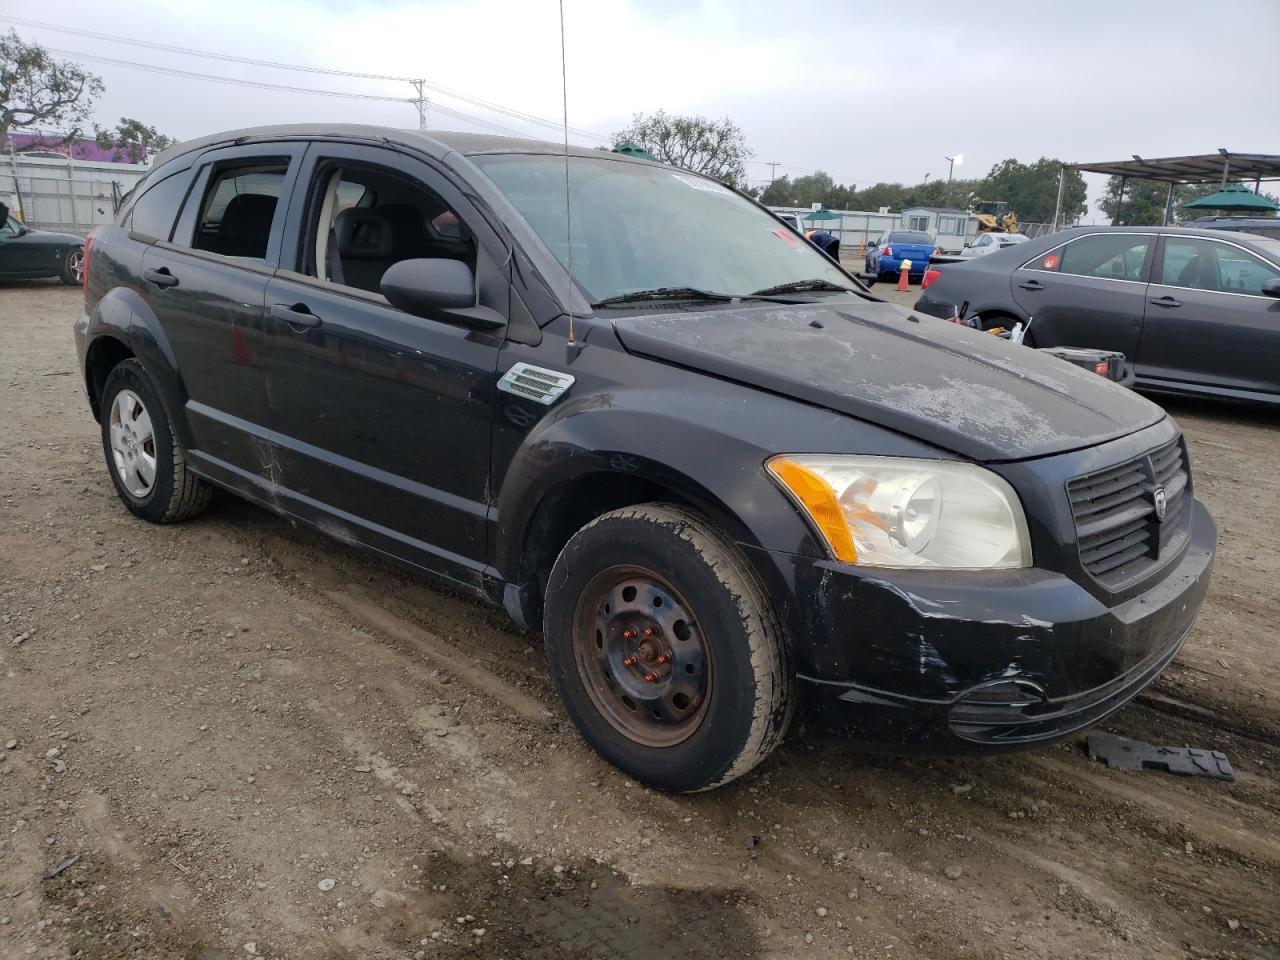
(994, 216)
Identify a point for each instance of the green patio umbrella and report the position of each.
(634, 150)
(821, 215)
(1234, 198)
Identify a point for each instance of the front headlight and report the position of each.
(896, 512)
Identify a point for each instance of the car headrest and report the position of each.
(407, 225)
(363, 235)
(248, 215)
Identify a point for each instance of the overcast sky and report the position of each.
(848, 87)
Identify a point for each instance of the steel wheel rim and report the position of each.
(133, 443)
(76, 263)
(653, 687)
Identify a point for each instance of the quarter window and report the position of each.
(1110, 256)
(154, 212)
(1210, 265)
(238, 209)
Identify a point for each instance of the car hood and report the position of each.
(955, 388)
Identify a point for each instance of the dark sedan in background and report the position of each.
(28, 254)
(1195, 311)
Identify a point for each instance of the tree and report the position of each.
(37, 89)
(780, 193)
(132, 141)
(716, 148)
(1031, 190)
(1144, 200)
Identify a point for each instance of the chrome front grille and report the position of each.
(1119, 529)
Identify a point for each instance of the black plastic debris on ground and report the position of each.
(1122, 754)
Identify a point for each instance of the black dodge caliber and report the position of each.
(714, 471)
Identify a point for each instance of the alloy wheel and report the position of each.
(133, 443)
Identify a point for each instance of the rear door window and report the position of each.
(1210, 265)
(239, 208)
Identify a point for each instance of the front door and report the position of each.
(207, 285)
(1207, 320)
(1089, 292)
(383, 418)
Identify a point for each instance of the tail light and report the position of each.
(84, 267)
(1102, 368)
(887, 251)
(931, 274)
(937, 251)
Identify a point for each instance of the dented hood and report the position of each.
(959, 389)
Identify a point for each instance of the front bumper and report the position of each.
(945, 663)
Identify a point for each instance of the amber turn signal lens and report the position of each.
(817, 498)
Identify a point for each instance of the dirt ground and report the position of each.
(257, 742)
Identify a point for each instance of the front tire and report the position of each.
(666, 652)
(147, 466)
(72, 273)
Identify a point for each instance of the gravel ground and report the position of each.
(237, 738)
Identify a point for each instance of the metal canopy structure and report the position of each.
(1205, 168)
(1201, 168)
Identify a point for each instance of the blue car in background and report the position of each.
(885, 257)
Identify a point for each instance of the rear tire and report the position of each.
(147, 465)
(722, 698)
(72, 273)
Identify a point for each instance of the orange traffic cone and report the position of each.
(903, 285)
(862, 249)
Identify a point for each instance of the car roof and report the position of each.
(436, 143)
(1206, 232)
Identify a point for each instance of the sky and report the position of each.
(851, 88)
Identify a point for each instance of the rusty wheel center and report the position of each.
(641, 656)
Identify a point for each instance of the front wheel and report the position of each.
(665, 650)
(72, 273)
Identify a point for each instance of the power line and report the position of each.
(287, 88)
(418, 82)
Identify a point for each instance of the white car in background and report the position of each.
(986, 243)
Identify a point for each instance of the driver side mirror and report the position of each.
(438, 289)
(868, 279)
(1271, 288)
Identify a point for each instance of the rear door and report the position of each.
(1089, 292)
(1207, 320)
(206, 284)
(383, 418)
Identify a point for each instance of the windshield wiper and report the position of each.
(797, 285)
(664, 293)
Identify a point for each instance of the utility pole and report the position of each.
(773, 169)
(420, 101)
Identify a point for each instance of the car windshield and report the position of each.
(911, 237)
(639, 226)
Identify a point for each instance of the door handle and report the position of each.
(1166, 302)
(161, 278)
(297, 314)
(1031, 285)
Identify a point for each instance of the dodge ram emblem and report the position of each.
(1161, 502)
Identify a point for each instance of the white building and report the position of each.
(950, 228)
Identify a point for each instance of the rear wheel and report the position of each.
(72, 272)
(667, 654)
(147, 466)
